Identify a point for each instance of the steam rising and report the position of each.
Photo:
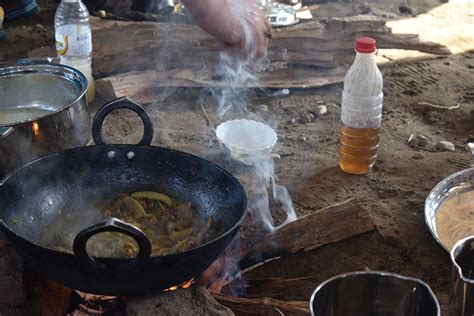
(265, 180)
(238, 73)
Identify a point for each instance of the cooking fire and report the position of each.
(90, 304)
(236, 157)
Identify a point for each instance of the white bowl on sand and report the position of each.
(246, 140)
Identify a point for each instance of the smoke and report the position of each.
(264, 187)
(238, 69)
(235, 75)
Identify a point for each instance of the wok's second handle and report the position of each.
(112, 225)
(122, 103)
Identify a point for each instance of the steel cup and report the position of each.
(461, 300)
(373, 294)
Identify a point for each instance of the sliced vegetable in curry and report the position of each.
(170, 225)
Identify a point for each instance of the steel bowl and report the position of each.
(373, 293)
(43, 109)
(455, 184)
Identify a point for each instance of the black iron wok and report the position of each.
(37, 194)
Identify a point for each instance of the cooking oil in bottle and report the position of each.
(361, 111)
(358, 149)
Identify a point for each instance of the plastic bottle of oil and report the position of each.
(361, 111)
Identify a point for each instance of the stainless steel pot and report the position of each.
(43, 109)
(461, 300)
(374, 294)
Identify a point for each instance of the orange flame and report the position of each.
(185, 285)
(36, 128)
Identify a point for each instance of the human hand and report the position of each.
(239, 25)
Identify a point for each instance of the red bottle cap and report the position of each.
(365, 45)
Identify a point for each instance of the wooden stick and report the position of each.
(277, 287)
(327, 225)
(262, 306)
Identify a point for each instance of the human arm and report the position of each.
(239, 25)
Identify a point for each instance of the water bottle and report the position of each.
(74, 39)
(361, 111)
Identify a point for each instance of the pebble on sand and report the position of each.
(445, 146)
(418, 155)
(470, 147)
(321, 110)
(418, 141)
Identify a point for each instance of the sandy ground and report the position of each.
(394, 192)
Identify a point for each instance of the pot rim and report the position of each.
(379, 273)
(46, 68)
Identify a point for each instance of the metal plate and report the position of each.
(454, 185)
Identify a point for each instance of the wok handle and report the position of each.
(122, 103)
(112, 225)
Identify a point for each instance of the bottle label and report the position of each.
(74, 40)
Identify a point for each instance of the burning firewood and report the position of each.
(262, 306)
(327, 225)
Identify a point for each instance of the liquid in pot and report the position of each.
(18, 115)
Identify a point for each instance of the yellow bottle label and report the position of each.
(74, 40)
(61, 44)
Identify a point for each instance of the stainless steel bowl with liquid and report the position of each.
(449, 209)
(43, 109)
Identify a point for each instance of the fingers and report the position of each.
(267, 35)
(244, 35)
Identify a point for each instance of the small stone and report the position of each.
(293, 121)
(102, 13)
(418, 155)
(365, 8)
(445, 146)
(470, 148)
(303, 138)
(321, 110)
(262, 107)
(307, 118)
(407, 10)
(320, 102)
(39, 27)
(389, 15)
(423, 141)
(419, 140)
